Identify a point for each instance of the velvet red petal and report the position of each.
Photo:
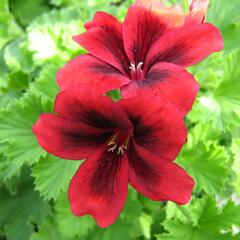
(67, 138)
(186, 46)
(169, 80)
(102, 19)
(97, 111)
(87, 69)
(141, 28)
(158, 179)
(158, 126)
(173, 16)
(103, 39)
(100, 188)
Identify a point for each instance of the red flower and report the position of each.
(147, 52)
(131, 141)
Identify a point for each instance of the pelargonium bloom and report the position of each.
(130, 141)
(149, 51)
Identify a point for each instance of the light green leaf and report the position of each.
(146, 223)
(50, 36)
(235, 148)
(52, 175)
(8, 27)
(204, 221)
(45, 84)
(17, 57)
(229, 24)
(16, 129)
(219, 104)
(207, 164)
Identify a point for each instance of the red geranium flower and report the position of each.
(131, 141)
(147, 52)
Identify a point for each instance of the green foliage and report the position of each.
(49, 36)
(35, 41)
(21, 210)
(16, 130)
(52, 175)
(201, 219)
(70, 225)
(9, 29)
(205, 160)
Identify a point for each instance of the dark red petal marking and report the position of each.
(103, 39)
(67, 138)
(169, 80)
(86, 69)
(141, 28)
(100, 187)
(185, 46)
(158, 126)
(158, 179)
(98, 111)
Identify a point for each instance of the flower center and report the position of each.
(136, 71)
(118, 143)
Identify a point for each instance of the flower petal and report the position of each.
(186, 46)
(198, 10)
(100, 187)
(103, 39)
(158, 179)
(158, 126)
(98, 111)
(146, 22)
(87, 69)
(169, 80)
(68, 139)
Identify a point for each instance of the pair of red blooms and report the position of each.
(136, 139)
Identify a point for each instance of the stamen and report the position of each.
(112, 141)
(133, 67)
(136, 71)
(112, 148)
(118, 144)
(139, 66)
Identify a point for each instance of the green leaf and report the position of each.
(26, 11)
(146, 223)
(69, 224)
(17, 57)
(20, 212)
(16, 129)
(50, 36)
(118, 231)
(220, 103)
(235, 148)
(205, 161)
(229, 24)
(204, 221)
(48, 231)
(3, 71)
(45, 85)
(8, 27)
(52, 175)
(133, 207)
